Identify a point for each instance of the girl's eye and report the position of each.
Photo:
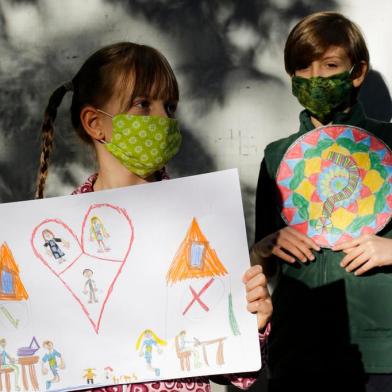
(331, 65)
(171, 107)
(142, 104)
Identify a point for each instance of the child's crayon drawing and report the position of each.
(11, 286)
(52, 360)
(90, 287)
(77, 316)
(80, 268)
(148, 343)
(334, 183)
(98, 233)
(53, 248)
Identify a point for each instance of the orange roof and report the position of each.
(181, 268)
(7, 263)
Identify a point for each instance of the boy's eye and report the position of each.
(302, 68)
(331, 65)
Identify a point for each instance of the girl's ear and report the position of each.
(360, 74)
(92, 123)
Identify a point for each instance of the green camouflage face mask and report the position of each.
(322, 95)
(143, 144)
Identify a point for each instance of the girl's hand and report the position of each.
(257, 295)
(365, 252)
(286, 244)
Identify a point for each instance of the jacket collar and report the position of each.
(355, 116)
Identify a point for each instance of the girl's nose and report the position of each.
(159, 109)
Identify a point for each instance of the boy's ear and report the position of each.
(360, 74)
(92, 122)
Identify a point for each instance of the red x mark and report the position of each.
(196, 296)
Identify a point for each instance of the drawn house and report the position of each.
(11, 286)
(198, 288)
(195, 258)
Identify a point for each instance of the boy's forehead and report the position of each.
(335, 51)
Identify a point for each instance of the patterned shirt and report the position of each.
(195, 384)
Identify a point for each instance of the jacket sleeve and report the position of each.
(267, 215)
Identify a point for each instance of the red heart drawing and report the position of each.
(74, 262)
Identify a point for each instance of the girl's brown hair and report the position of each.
(124, 70)
(314, 34)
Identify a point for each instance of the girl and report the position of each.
(145, 343)
(335, 302)
(98, 232)
(51, 242)
(115, 87)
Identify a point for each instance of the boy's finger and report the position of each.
(304, 238)
(282, 255)
(351, 256)
(294, 250)
(357, 262)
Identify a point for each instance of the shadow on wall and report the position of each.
(212, 39)
(192, 158)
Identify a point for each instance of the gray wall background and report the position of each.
(227, 54)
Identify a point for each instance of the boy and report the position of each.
(332, 321)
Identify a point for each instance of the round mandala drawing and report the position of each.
(335, 184)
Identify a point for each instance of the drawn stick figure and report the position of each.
(52, 242)
(90, 287)
(98, 233)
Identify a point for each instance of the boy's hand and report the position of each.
(257, 295)
(286, 244)
(365, 252)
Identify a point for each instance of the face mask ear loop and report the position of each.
(103, 141)
(351, 70)
(105, 113)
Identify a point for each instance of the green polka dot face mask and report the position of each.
(143, 144)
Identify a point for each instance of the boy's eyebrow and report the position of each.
(335, 56)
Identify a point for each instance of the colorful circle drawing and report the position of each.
(335, 184)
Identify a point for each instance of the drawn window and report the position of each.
(197, 253)
(7, 283)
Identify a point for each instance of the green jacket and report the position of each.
(325, 319)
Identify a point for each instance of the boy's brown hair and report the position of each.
(313, 35)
